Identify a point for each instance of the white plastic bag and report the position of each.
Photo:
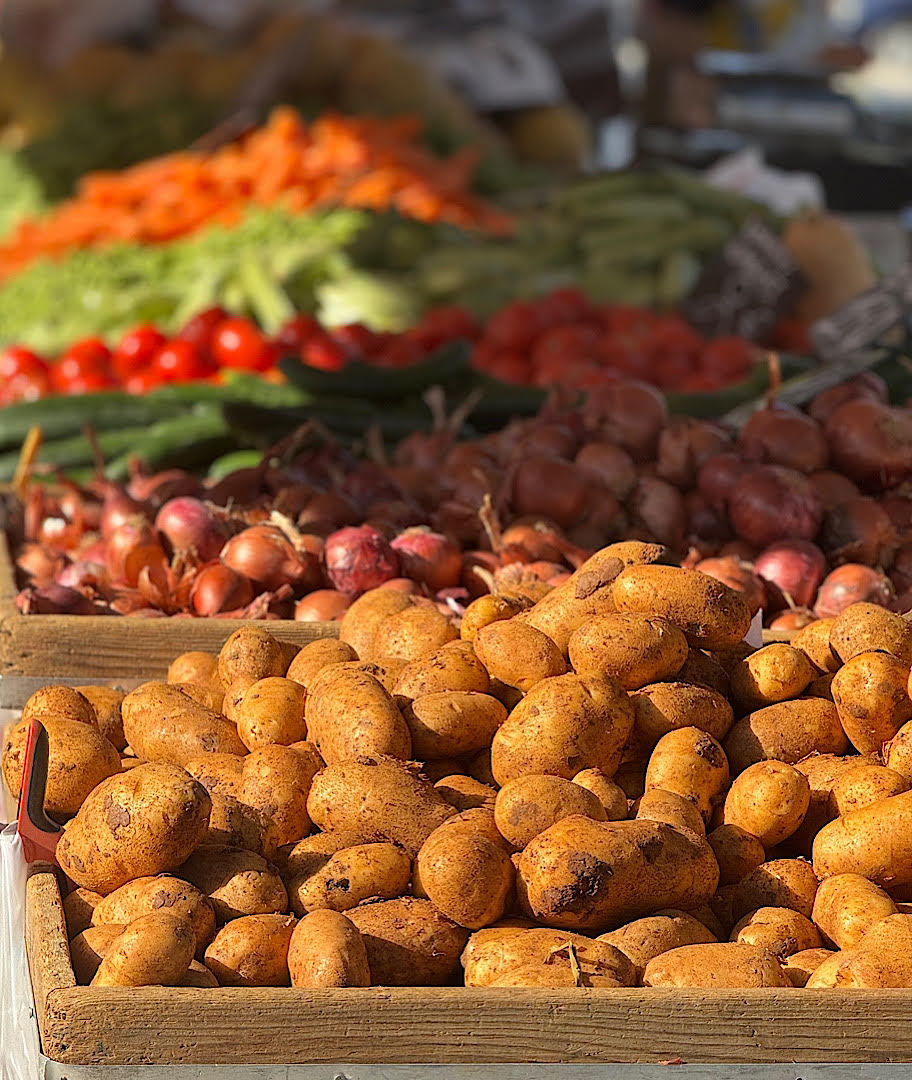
(20, 1048)
(784, 192)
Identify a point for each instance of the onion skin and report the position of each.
(131, 546)
(428, 557)
(871, 443)
(218, 588)
(322, 605)
(189, 525)
(265, 555)
(833, 488)
(359, 558)
(792, 571)
(783, 436)
(860, 531)
(852, 583)
(737, 575)
(773, 503)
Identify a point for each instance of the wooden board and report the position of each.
(158, 1026)
(108, 647)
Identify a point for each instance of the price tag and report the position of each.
(865, 319)
(752, 284)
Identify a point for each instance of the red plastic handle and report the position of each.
(38, 832)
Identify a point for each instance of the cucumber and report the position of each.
(232, 461)
(61, 416)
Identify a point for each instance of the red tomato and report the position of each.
(88, 383)
(17, 360)
(357, 339)
(511, 367)
(295, 332)
(86, 360)
(180, 361)
(567, 305)
(443, 324)
(136, 349)
(626, 356)
(320, 351)
(199, 330)
(674, 333)
(565, 344)
(238, 343)
(730, 356)
(399, 353)
(24, 386)
(514, 327)
(625, 320)
(142, 381)
(791, 335)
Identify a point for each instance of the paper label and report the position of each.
(865, 319)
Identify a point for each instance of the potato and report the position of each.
(478, 766)
(788, 732)
(737, 852)
(238, 883)
(866, 784)
(160, 893)
(875, 841)
(350, 714)
(882, 958)
(106, 702)
(487, 609)
(517, 654)
(612, 798)
(847, 906)
(78, 907)
(154, 950)
(494, 954)
(800, 966)
(466, 876)
(453, 667)
(822, 772)
(730, 657)
(560, 972)
(359, 624)
(409, 942)
(821, 687)
(528, 805)
(276, 781)
(79, 758)
(862, 628)
(768, 800)
(413, 633)
(233, 823)
(252, 951)
(691, 764)
(635, 650)
(713, 967)
(272, 711)
(196, 667)
(164, 725)
(479, 819)
(824, 975)
(564, 872)
(871, 696)
(326, 949)
(631, 779)
(465, 792)
(781, 930)
(664, 707)
(142, 822)
(377, 799)
(644, 939)
(218, 772)
(234, 695)
(814, 641)
(701, 670)
(561, 726)
(251, 652)
(711, 615)
(789, 883)
(452, 722)
(202, 695)
(775, 673)
(658, 805)
(59, 703)
(341, 879)
(88, 948)
(317, 655)
(199, 976)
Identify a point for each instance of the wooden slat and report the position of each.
(8, 588)
(46, 938)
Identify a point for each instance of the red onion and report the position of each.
(359, 558)
(657, 511)
(118, 509)
(684, 446)
(631, 414)
(852, 584)
(403, 585)
(265, 555)
(550, 487)
(832, 487)
(190, 525)
(84, 575)
(130, 547)
(219, 588)
(858, 531)
(771, 503)
(160, 487)
(871, 443)
(898, 507)
(736, 575)
(792, 571)
(717, 477)
(793, 619)
(704, 520)
(866, 386)
(57, 600)
(901, 570)
(322, 605)
(608, 465)
(428, 557)
(741, 549)
(781, 435)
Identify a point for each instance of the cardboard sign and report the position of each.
(752, 284)
(863, 321)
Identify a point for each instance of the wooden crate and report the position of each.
(105, 647)
(166, 1026)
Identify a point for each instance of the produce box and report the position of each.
(104, 647)
(168, 1026)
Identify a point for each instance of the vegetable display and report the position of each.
(430, 801)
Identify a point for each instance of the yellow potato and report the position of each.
(730, 965)
(866, 784)
(199, 976)
(800, 966)
(488, 609)
(317, 655)
(160, 893)
(636, 650)
(452, 723)
(453, 667)
(788, 732)
(59, 703)
(881, 959)
(768, 800)
(234, 696)
(814, 641)
(861, 628)
(341, 879)
(275, 782)
(871, 697)
(517, 654)
(195, 667)
(78, 907)
(737, 852)
(237, 882)
(775, 673)
(847, 906)
(897, 753)
(612, 797)
(409, 942)
(251, 652)
(465, 875)
(528, 805)
(465, 792)
(664, 707)
(492, 956)
(875, 841)
(360, 622)
(252, 951)
(415, 632)
(701, 670)
(822, 772)
(658, 805)
(154, 950)
(781, 930)
(106, 702)
(644, 939)
(162, 724)
(272, 711)
(692, 764)
(326, 950)
(821, 687)
(789, 883)
(349, 714)
(88, 948)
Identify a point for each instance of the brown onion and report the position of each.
(486, 563)
(657, 512)
(741, 549)
(781, 435)
(552, 438)
(608, 465)
(859, 530)
(871, 443)
(118, 508)
(736, 575)
(772, 503)
(160, 487)
(832, 487)
(219, 588)
(717, 477)
(265, 555)
(792, 571)
(898, 507)
(359, 558)
(852, 584)
(866, 386)
(684, 446)
(322, 605)
(428, 557)
(130, 547)
(330, 507)
(629, 413)
(705, 521)
(793, 619)
(550, 487)
(901, 570)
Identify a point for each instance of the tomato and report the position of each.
(675, 334)
(443, 324)
(85, 363)
(514, 327)
(142, 381)
(24, 386)
(671, 368)
(627, 357)
(180, 361)
(320, 351)
(565, 344)
(17, 360)
(200, 329)
(730, 356)
(136, 349)
(357, 339)
(511, 367)
(401, 352)
(791, 335)
(89, 383)
(626, 320)
(567, 305)
(295, 332)
(238, 343)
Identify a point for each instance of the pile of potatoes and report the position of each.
(604, 788)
